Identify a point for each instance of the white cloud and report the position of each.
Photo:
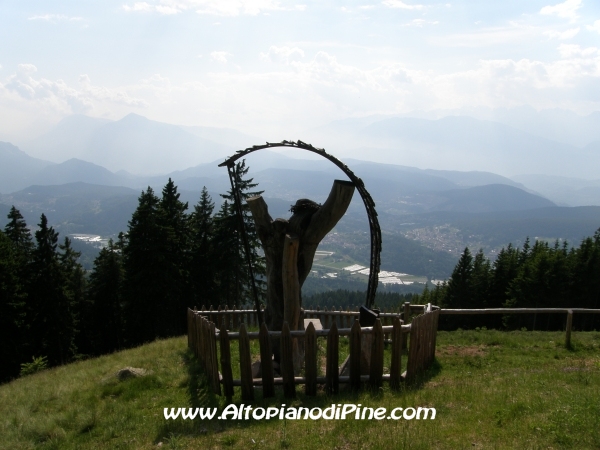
(59, 97)
(323, 89)
(283, 54)
(595, 27)
(566, 10)
(212, 7)
(420, 22)
(166, 9)
(55, 18)
(568, 34)
(220, 57)
(400, 4)
(320, 87)
(575, 51)
(484, 37)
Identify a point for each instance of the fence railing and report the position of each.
(506, 311)
(343, 319)
(212, 346)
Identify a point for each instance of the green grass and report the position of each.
(491, 390)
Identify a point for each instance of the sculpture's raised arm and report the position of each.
(334, 208)
(321, 222)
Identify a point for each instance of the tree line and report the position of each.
(533, 276)
(140, 285)
(352, 300)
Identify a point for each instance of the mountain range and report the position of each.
(134, 144)
(86, 175)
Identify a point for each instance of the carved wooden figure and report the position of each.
(290, 247)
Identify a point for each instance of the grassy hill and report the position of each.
(491, 389)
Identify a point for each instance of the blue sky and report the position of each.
(282, 67)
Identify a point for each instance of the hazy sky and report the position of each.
(283, 66)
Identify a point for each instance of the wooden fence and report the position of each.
(212, 346)
(343, 319)
(506, 311)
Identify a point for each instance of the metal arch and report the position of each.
(364, 194)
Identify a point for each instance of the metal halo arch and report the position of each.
(360, 187)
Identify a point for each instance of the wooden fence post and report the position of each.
(396, 366)
(266, 362)
(214, 373)
(376, 369)
(355, 354)
(226, 364)
(246, 365)
(189, 313)
(569, 326)
(412, 366)
(332, 371)
(310, 364)
(406, 318)
(287, 365)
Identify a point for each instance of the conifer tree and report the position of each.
(175, 233)
(203, 255)
(15, 257)
(49, 303)
(103, 318)
(75, 287)
(234, 274)
(143, 258)
(16, 230)
(229, 258)
(12, 313)
(459, 285)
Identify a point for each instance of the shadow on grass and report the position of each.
(201, 396)
(433, 371)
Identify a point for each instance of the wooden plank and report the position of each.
(434, 327)
(200, 325)
(226, 370)
(234, 321)
(205, 343)
(413, 351)
(245, 365)
(519, 311)
(569, 327)
(278, 381)
(216, 382)
(199, 339)
(310, 364)
(332, 363)
(376, 369)
(424, 346)
(287, 365)
(188, 327)
(406, 316)
(266, 358)
(425, 337)
(355, 353)
(396, 366)
(406, 319)
(429, 336)
(319, 333)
